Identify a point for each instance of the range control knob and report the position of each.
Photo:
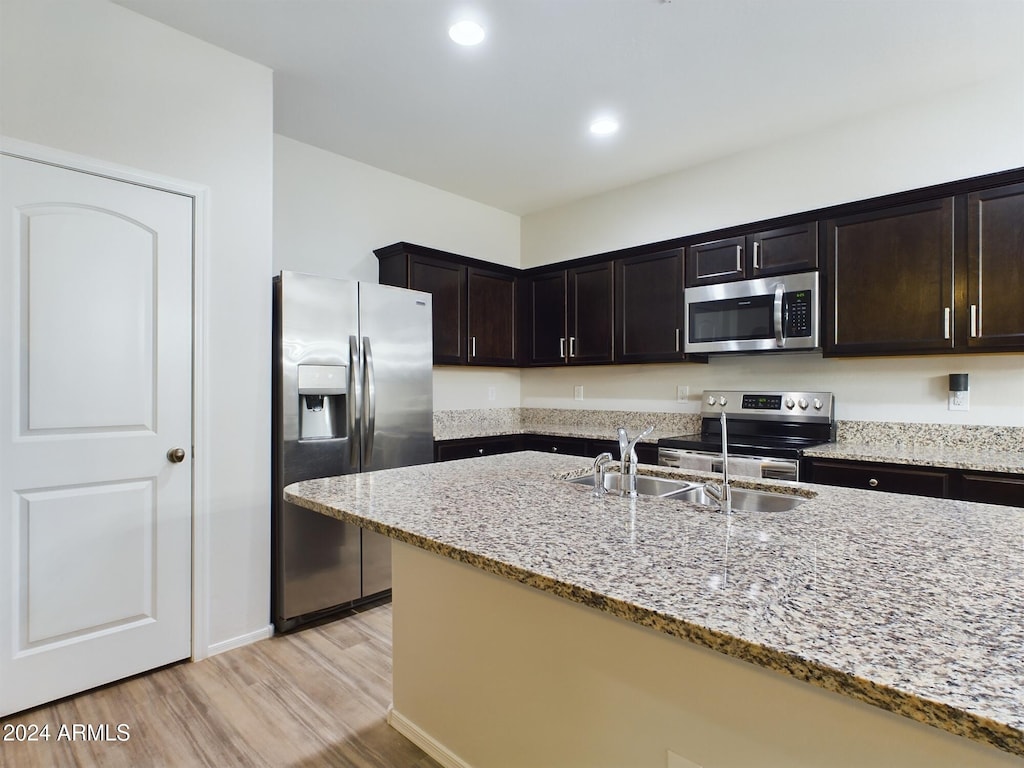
(711, 400)
(803, 404)
(818, 404)
(723, 400)
(790, 403)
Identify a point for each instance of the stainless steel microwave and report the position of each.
(766, 314)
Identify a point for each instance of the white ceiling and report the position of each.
(506, 123)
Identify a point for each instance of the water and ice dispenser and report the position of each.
(323, 393)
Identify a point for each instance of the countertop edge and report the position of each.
(943, 716)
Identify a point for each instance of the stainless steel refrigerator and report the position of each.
(352, 392)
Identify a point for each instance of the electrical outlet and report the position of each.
(682, 392)
(577, 392)
(492, 393)
(959, 401)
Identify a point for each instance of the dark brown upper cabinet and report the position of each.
(570, 316)
(890, 276)
(446, 282)
(649, 307)
(995, 268)
(491, 307)
(759, 254)
(474, 302)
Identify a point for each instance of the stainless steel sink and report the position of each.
(646, 485)
(745, 500)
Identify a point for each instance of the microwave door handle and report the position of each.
(780, 292)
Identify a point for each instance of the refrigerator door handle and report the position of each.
(355, 402)
(370, 388)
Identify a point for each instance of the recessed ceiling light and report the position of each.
(604, 126)
(466, 32)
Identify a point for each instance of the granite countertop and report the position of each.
(952, 457)
(914, 605)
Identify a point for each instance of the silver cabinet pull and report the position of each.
(677, 339)
(561, 347)
(974, 321)
(757, 255)
(472, 347)
(572, 346)
(873, 482)
(739, 259)
(947, 314)
(176, 455)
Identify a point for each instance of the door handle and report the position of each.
(946, 316)
(572, 346)
(355, 402)
(370, 388)
(561, 347)
(974, 321)
(780, 339)
(176, 455)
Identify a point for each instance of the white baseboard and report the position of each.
(238, 642)
(424, 740)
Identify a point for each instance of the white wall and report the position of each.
(964, 133)
(91, 78)
(330, 213)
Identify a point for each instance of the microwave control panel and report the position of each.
(798, 313)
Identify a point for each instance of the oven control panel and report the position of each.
(762, 402)
(770, 405)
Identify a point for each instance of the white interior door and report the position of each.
(95, 390)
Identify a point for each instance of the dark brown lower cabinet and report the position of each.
(892, 478)
(940, 482)
(991, 488)
(470, 447)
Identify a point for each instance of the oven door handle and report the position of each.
(780, 338)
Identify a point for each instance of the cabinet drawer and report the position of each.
(881, 477)
(448, 450)
(570, 446)
(992, 489)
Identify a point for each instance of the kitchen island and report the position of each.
(538, 625)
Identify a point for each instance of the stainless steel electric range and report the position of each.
(767, 433)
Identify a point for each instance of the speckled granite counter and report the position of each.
(913, 605)
(987, 449)
(952, 457)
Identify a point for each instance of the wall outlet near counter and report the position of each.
(577, 392)
(682, 392)
(492, 393)
(959, 401)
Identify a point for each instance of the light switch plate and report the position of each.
(577, 392)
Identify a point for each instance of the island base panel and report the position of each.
(490, 673)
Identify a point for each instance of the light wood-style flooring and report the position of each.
(316, 697)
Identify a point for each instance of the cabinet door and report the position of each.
(492, 317)
(890, 278)
(718, 261)
(591, 315)
(649, 307)
(547, 313)
(995, 233)
(788, 249)
(446, 283)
